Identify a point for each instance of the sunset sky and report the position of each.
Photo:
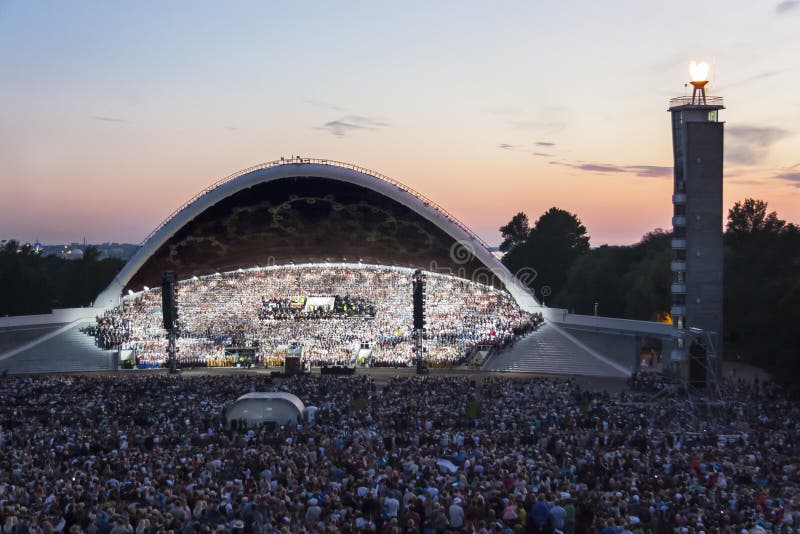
(114, 113)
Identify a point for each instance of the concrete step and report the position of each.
(549, 351)
(68, 351)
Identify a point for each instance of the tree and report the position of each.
(627, 281)
(647, 286)
(762, 262)
(33, 283)
(515, 232)
(787, 356)
(9, 247)
(751, 216)
(91, 254)
(596, 277)
(553, 244)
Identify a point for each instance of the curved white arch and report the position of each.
(110, 296)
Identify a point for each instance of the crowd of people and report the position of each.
(338, 306)
(434, 454)
(110, 331)
(329, 312)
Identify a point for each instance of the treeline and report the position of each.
(762, 288)
(761, 277)
(31, 283)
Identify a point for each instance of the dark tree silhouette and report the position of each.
(555, 242)
(626, 281)
(515, 232)
(762, 281)
(751, 217)
(31, 283)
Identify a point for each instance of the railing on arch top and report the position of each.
(319, 161)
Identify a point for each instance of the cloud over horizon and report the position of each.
(787, 6)
(526, 147)
(104, 118)
(351, 123)
(791, 175)
(750, 144)
(645, 171)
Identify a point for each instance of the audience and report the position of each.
(151, 453)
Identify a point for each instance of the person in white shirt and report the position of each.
(392, 505)
(456, 514)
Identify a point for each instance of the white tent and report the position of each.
(262, 407)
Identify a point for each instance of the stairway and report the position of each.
(16, 336)
(65, 350)
(549, 351)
